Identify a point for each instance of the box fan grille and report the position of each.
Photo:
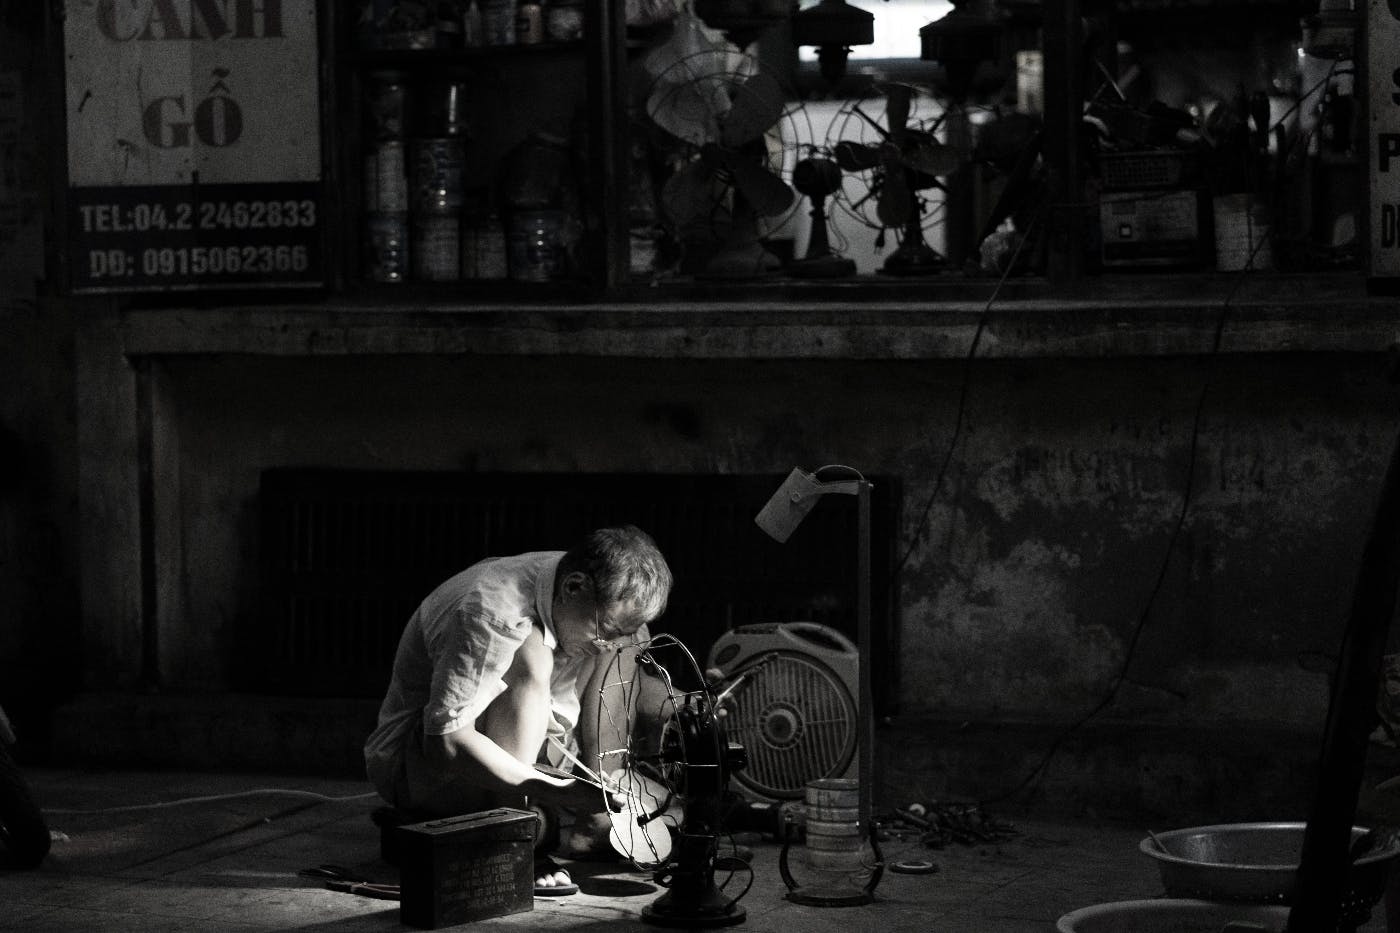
(795, 709)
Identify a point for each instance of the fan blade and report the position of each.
(757, 105)
(897, 109)
(894, 204)
(932, 158)
(689, 195)
(766, 193)
(686, 111)
(856, 157)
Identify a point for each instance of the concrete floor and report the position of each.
(230, 863)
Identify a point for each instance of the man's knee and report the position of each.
(531, 668)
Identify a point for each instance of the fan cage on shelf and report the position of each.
(863, 122)
(727, 131)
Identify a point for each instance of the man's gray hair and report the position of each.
(626, 566)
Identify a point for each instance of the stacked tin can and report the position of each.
(483, 238)
(386, 243)
(435, 183)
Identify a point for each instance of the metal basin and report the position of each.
(1257, 863)
(1172, 916)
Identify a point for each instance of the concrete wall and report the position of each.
(130, 472)
(1031, 571)
(1039, 578)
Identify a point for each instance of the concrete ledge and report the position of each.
(1135, 316)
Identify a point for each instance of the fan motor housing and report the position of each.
(796, 711)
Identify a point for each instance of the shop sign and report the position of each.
(1383, 67)
(194, 156)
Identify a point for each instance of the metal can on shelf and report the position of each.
(536, 245)
(473, 28)
(386, 104)
(498, 21)
(437, 247)
(445, 109)
(385, 182)
(436, 175)
(386, 246)
(563, 20)
(447, 23)
(484, 247)
(529, 22)
(371, 16)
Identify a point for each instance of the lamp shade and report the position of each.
(786, 508)
(965, 34)
(833, 22)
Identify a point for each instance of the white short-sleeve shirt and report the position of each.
(457, 647)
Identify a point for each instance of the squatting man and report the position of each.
(499, 659)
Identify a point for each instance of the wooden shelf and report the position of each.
(1098, 319)
(439, 58)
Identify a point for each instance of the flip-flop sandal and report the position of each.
(544, 865)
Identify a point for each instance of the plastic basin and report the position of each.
(1174, 916)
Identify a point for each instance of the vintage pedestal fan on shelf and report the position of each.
(901, 159)
(719, 110)
(818, 178)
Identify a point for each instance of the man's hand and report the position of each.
(579, 793)
(568, 792)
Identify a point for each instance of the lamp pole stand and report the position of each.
(866, 726)
(780, 515)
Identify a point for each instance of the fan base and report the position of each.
(829, 266)
(693, 917)
(831, 897)
(914, 258)
(741, 258)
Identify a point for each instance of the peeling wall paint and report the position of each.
(1033, 567)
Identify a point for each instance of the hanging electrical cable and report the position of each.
(1135, 636)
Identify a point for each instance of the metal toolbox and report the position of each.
(465, 868)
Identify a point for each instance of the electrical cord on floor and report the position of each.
(338, 878)
(211, 798)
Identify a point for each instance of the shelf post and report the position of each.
(605, 33)
(1064, 104)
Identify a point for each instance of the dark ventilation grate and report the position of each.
(347, 555)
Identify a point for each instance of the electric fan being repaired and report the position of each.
(672, 783)
(718, 110)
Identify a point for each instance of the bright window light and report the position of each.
(897, 25)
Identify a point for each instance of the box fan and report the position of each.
(793, 691)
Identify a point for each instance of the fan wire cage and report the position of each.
(725, 129)
(863, 123)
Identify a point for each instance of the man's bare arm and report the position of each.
(497, 752)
